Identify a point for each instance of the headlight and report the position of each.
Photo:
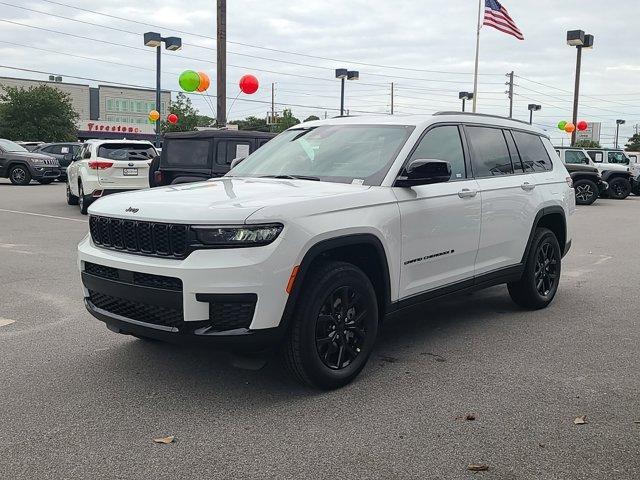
(240, 236)
(37, 161)
(40, 161)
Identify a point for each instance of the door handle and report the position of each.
(467, 193)
(527, 187)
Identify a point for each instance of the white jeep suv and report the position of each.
(102, 167)
(311, 241)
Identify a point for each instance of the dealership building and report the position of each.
(105, 111)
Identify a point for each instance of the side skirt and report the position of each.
(497, 277)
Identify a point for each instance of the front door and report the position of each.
(440, 222)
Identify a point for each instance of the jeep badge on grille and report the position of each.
(132, 210)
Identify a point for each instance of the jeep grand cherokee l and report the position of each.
(311, 241)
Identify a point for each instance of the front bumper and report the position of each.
(42, 172)
(207, 302)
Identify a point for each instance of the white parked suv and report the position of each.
(102, 167)
(334, 225)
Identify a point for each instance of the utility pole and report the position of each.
(391, 98)
(221, 41)
(273, 103)
(510, 93)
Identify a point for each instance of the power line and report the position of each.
(259, 46)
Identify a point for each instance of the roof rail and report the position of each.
(481, 115)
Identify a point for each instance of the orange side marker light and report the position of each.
(292, 279)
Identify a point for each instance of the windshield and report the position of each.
(617, 157)
(9, 146)
(124, 151)
(575, 157)
(360, 154)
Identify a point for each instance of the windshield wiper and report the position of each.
(292, 177)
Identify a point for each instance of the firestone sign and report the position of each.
(98, 126)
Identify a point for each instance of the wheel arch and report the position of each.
(364, 250)
(553, 218)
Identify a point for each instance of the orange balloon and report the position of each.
(569, 127)
(204, 82)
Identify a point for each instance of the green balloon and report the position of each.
(189, 80)
(562, 124)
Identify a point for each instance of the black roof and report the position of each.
(220, 133)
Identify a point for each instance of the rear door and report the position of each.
(508, 198)
(124, 165)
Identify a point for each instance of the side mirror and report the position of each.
(424, 172)
(236, 161)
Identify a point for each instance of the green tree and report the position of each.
(187, 116)
(587, 144)
(311, 118)
(634, 144)
(41, 113)
(252, 123)
(287, 120)
(205, 121)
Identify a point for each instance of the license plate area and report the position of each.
(130, 172)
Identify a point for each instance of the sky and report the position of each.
(425, 48)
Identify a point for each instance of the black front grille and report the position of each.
(148, 238)
(134, 278)
(143, 312)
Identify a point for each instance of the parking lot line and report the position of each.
(43, 215)
(5, 321)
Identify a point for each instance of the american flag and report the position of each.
(496, 16)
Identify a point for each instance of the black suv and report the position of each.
(196, 156)
(587, 183)
(63, 152)
(21, 166)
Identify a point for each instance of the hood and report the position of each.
(220, 200)
(27, 155)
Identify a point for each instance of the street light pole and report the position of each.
(464, 96)
(221, 89)
(578, 39)
(342, 96)
(158, 92)
(618, 123)
(533, 108)
(344, 74)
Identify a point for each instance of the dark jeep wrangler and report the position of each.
(587, 182)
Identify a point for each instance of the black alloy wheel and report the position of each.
(340, 332)
(546, 269)
(586, 192)
(619, 188)
(19, 175)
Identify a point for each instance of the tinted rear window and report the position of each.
(532, 152)
(124, 151)
(188, 153)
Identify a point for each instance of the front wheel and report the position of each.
(586, 192)
(19, 175)
(619, 188)
(541, 277)
(335, 325)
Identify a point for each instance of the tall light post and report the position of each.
(344, 74)
(578, 39)
(464, 96)
(533, 108)
(618, 123)
(154, 40)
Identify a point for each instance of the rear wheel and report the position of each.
(334, 328)
(586, 192)
(19, 175)
(541, 277)
(83, 200)
(619, 188)
(71, 198)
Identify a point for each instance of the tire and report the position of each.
(155, 164)
(83, 200)
(71, 198)
(45, 181)
(586, 192)
(539, 283)
(619, 188)
(19, 175)
(327, 345)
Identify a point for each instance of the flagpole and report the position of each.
(475, 75)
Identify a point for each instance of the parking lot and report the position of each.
(79, 401)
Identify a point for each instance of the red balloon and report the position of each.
(172, 118)
(249, 84)
(582, 125)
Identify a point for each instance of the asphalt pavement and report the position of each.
(78, 401)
